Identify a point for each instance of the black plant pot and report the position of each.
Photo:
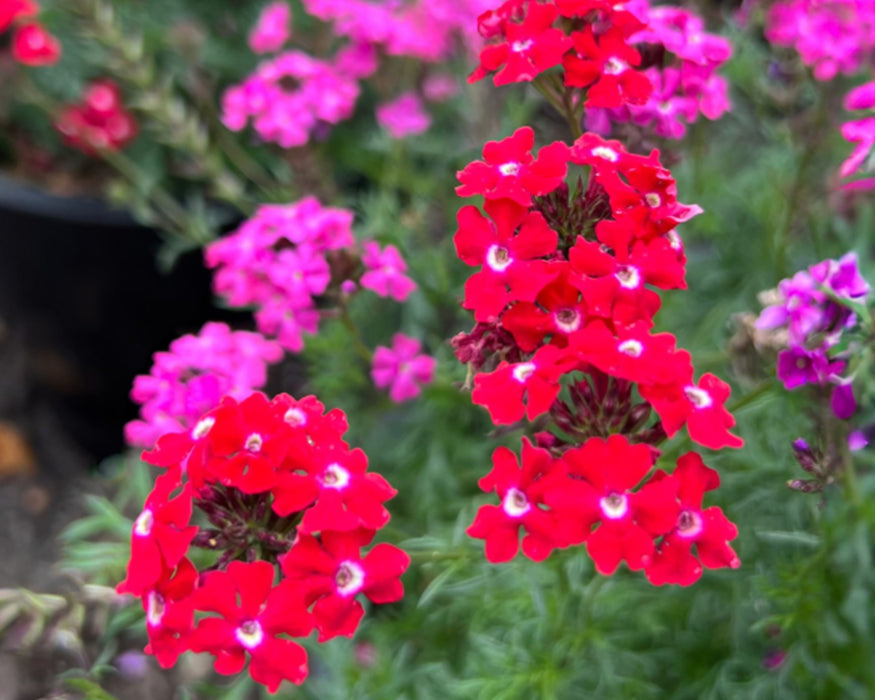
(80, 291)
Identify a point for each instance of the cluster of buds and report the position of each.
(808, 308)
(193, 375)
(32, 44)
(562, 299)
(100, 122)
(288, 507)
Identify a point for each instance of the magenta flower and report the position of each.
(401, 368)
(403, 116)
(271, 30)
(385, 272)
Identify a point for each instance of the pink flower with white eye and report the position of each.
(384, 272)
(403, 116)
(271, 30)
(402, 368)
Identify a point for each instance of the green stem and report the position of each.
(357, 343)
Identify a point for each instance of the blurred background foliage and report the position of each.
(795, 621)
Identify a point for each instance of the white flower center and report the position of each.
(295, 417)
(335, 477)
(690, 524)
(154, 608)
(608, 154)
(523, 371)
(349, 579)
(567, 320)
(515, 503)
(519, 46)
(143, 524)
(249, 634)
(254, 443)
(629, 277)
(497, 258)
(698, 397)
(653, 200)
(614, 506)
(614, 66)
(202, 428)
(674, 240)
(509, 168)
(632, 348)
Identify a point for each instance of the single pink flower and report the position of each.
(271, 30)
(403, 116)
(401, 368)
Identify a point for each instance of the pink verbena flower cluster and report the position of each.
(287, 97)
(293, 95)
(193, 375)
(831, 36)
(685, 82)
(805, 307)
(283, 506)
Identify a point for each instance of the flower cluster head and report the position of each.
(286, 508)
(808, 307)
(32, 44)
(193, 375)
(290, 96)
(287, 257)
(100, 122)
(831, 36)
(685, 82)
(563, 299)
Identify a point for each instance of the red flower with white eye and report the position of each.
(633, 353)
(606, 65)
(523, 490)
(508, 248)
(252, 615)
(510, 171)
(333, 572)
(169, 613)
(502, 391)
(607, 471)
(528, 48)
(708, 529)
(701, 407)
(161, 534)
(337, 492)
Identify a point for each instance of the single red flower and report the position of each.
(252, 614)
(708, 529)
(510, 171)
(509, 251)
(700, 406)
(333, 572)
(32, 45)
(503, 390)
(606, 65)
(522, 490)
(169, 613)
(607, 471)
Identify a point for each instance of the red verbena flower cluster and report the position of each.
(288, 506)
(588, 38)
(32, 44)
(100, 122)
(562, 299)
